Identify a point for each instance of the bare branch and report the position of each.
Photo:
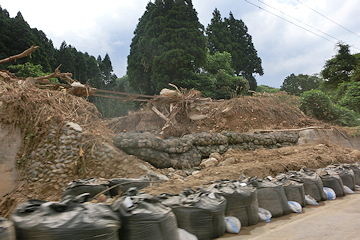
(21, 55)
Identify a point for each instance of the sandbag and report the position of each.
(345, 173)
(233, 224)
(37, 220)
(294, 190)
(185, 235)
(144, 217)
(7, 230)
(271, 196)
(333, 181)
(310, 200)
(356, 170)
(199, 213)
(313, 185)
(91, 185)
(264, 215)
(295, 207)
(348, 190)
(330, 193)
(126, 183)
(241, 201)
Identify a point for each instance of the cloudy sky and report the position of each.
(107, 26)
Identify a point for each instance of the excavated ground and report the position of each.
(244, 114)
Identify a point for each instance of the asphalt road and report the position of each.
(336, 219)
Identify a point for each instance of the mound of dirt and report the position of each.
(244, 114)
(261, 163)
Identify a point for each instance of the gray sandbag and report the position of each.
(356, 169)
(125, 183)
(37, 220)
(332, 180)
(241, 201)
(144, 217)
(294, 190)
(198, 213)
(92, 186)
(271, 196)
(7, 230)
(345, 173)
(313, 185)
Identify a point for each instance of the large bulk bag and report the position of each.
(200, 214)
(271, 196)
(294, 190)
(125, 183)
(356, 170)
(333, 181)
(313, 185)
(144, 217)
(7, 230)
(35, 220)
(91, 185)
(346, 174)
(241, 201)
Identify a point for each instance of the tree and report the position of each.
(168, 47)
(231, 35)
(268, 89)
(296, 85)
(339, 69)
(219, 80)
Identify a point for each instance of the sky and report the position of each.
(290, 36)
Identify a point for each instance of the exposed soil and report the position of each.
(261, 163)
(34, 110)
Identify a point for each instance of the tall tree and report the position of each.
(339, 69)
(296, 85)
(168, 46)
(231, 35)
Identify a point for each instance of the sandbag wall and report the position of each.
(187, 151)
(137, 215)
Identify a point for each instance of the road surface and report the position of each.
(336, 219)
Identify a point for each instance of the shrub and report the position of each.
(316, 104)
(351, 99)
(344, 116)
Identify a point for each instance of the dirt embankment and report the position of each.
(261, 163)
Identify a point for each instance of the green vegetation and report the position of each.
(265, 88)
(296, 85)
(231, 35)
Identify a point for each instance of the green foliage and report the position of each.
(351, 98)
(27, 70)
(268, 89)
(344, 116)
(296, 85)
(339, 69)
(168, 47)
(316, 103)
(231, 35)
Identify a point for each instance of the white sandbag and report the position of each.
(357, 188)
(310, 200)
(295, 207)
(330, 193)
(233, 224)
(185, 235)
(264, 215)
(348, 190)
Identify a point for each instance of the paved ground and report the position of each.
(337, 219)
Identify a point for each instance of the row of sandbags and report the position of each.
(200, 214)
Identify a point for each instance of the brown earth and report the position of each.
(34, 110)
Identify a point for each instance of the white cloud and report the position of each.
(107, 26)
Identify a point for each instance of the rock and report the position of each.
(210, 162)
(102, 174)
(56, 187)
(196, 173)
(228, 161)
(74, 126)
(215, 155)
(198, 117)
